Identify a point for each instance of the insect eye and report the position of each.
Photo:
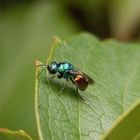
(52, 68)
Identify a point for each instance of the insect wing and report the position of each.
(86, 77)
(89, 79)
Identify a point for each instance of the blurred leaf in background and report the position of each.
(116, 18)
(25, 34)
(125, 19)
(91, 15)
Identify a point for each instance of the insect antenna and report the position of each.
(41, 65)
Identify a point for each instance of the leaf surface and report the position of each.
(127, 127)
(114, 66)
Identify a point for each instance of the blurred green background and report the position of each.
(27, 28)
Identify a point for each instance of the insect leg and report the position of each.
(63, 87)
(53, 76)
(79, 94)
(72, 81)
(59, 75)
(39, 73)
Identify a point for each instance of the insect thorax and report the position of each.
(63, 67)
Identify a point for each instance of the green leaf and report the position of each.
(127, 127)
(14, 135)
(114, 66)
